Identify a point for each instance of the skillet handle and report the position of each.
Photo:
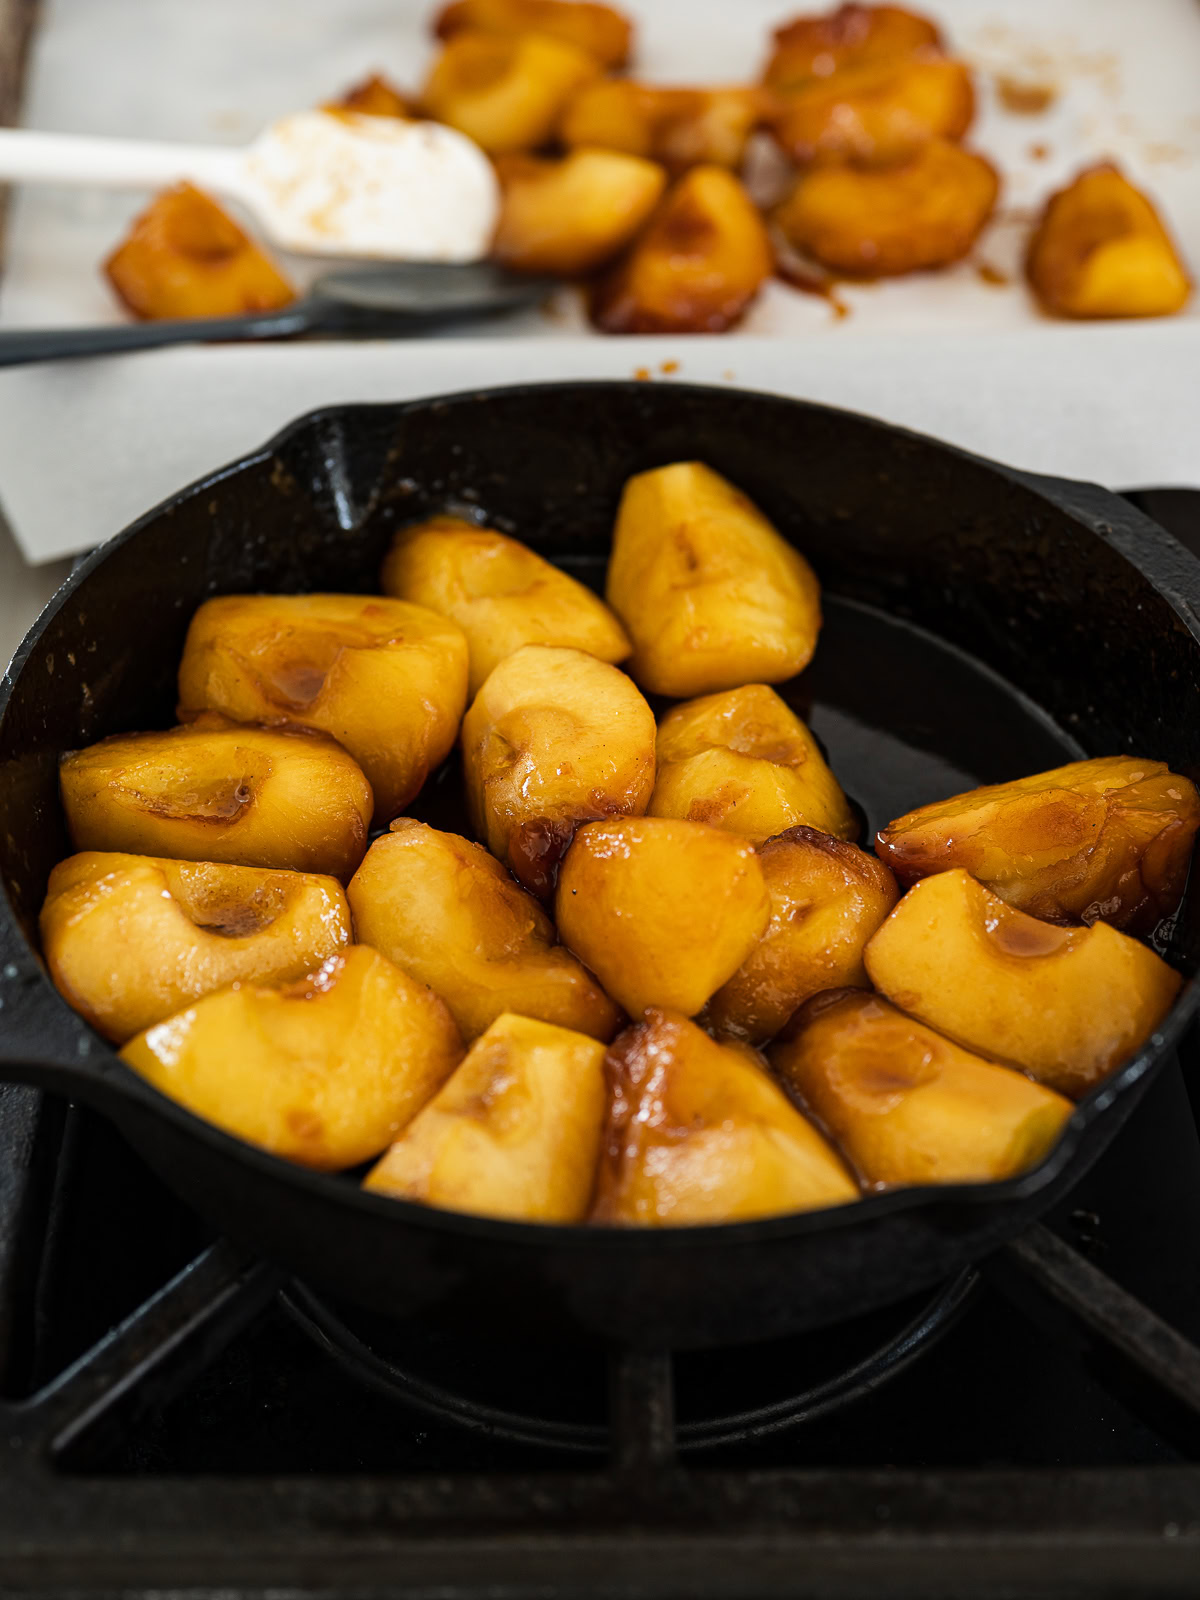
(44, 1044)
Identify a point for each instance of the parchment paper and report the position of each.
(86, 446)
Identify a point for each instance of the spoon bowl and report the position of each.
(317, 182)
(430, 290)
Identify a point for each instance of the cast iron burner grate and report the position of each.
(424, 1367)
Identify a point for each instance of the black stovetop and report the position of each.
(200, 1424)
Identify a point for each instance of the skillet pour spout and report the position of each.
(980, 623)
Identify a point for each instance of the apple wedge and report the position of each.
(448, 913)
(505, 90)
(501, 594)
(325, 1071)
(1108, 839)
(905, 1105)
(131, 939)
(743, 760)
(554, 738)
(697, 1132)
(1067, 1005)
(603, 31)
(827, 900)
(214, 790)
(711, 595)
(514, 1133)
(917, 216)
(570, 215)
(662, 911)
(1102, 250)
(386, 679)
(185, 256)
(696, 267)
(878, 113)
(822, 43)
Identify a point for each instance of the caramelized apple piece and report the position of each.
(387, 679)
(1101, 250)
(907, 1106)
(501, 594)
(662, 911)
(697, 1133)
(744, 761)
(818, 46)
(881, 222)
(185, 257)
(1109, 839)
(827, 899)
(448, 913)
(1068, 1005)
(374, 97)
(514, 1133)
(218, 791)
(505, 91)
(568, 217)
(877, 114)
(131, 939)
(602, 31)
(710, 594)
(701, 260)
(325, 1071)
(554, 738)
(680, 127)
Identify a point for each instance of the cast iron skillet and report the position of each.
(981, 623)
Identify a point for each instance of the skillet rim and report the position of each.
(106, 1081)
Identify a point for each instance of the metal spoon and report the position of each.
(404, 297)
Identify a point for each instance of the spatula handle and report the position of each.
(28, 156)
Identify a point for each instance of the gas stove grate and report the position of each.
(334, 1333)
(638, 1522)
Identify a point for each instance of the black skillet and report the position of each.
(981, 623)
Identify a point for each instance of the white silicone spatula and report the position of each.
(319, 182)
